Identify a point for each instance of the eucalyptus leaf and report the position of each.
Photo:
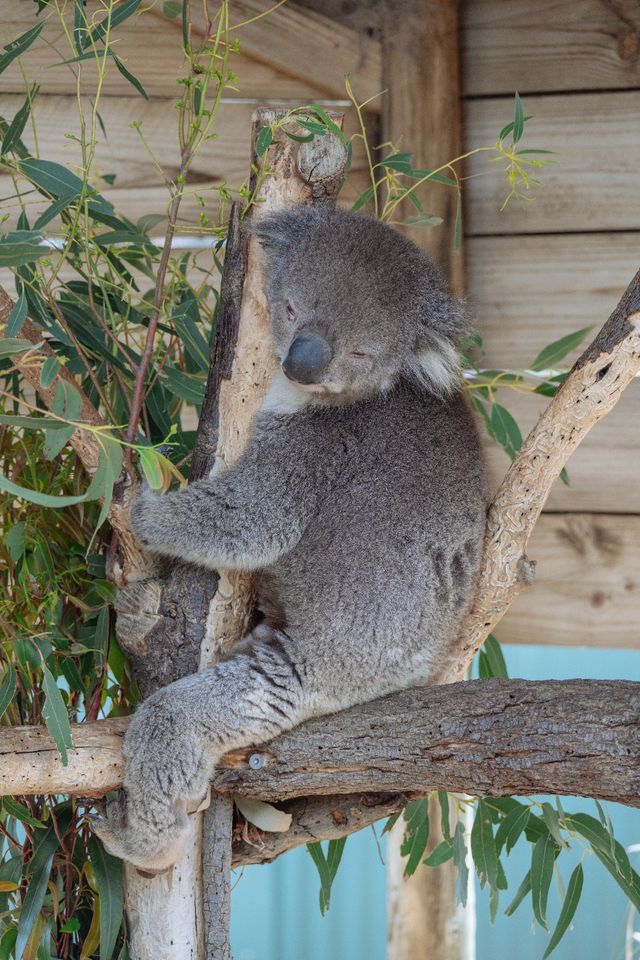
(18, 46)
(17, 317)
(8, 686)
(543, 858)
(108, 872)
(557, 351)
(54, 714)
(569, 905)
(19, 247)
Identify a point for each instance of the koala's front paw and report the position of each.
(147, 515)
(151, 845)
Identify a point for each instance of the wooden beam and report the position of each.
(421, 113)
(288, 55)
(549, 46)
(591, 187)
(491, 737)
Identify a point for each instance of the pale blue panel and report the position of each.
(598, 932)
(275, 913)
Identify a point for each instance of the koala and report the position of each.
(359, 503)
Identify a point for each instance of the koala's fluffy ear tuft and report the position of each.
(435, 360)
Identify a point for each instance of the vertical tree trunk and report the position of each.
(422, 79)
(187, 617)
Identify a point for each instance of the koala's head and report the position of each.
(354, 306)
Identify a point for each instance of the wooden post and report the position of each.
(422, 114)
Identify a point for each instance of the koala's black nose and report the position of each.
(308, 358)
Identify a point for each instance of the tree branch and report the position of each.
(491, 737)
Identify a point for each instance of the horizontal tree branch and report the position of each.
(491, 737)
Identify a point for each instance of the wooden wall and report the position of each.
(542, 269)
(534, 271)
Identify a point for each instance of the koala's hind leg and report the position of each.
(177, 735)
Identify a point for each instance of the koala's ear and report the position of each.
(283, 229)
(435, 359)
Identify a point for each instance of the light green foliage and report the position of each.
(97, 285)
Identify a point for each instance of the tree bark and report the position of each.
(488, 738)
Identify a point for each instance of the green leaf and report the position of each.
(521, 893)
(443, 800)
(150, 465)
(511, 827)
(609, 851)
(8, 686)
(109, 880)
(38, 870)
(172, 9)
(327, 867)
(391, 822)
(364, 198)
(505, 429)
(34, 496)
(20, 812)
(571, 900)
(543, 858)
(50, 370)
(19, 122)
(17, 317)
(518, 123)
(18, 46)
(15, 542)
(557, 350)
(130, 77)
(54, 713)
(460, 861)
(457, 230)
(264, 140)
(494, 658)
(550, 817)
(59, 182)
(414, 843)
(483, 846)
(185, 319)
(19, 247)
(116, 16)
(187, 386)
(67, 401)
(441, 853)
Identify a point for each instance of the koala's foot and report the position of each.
(152, 839)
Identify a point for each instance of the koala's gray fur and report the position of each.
(359, 502)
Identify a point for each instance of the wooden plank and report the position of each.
(551, 45)
(603, 472)
(139, 188)
(291, 54)
(587, 585)
(310, 47)
(524, 295)
(596, 138)
(422, 115)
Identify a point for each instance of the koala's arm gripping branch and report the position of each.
(242, 519)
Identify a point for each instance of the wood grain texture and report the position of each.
(139, 187)
(291, 54)
(586, 590)
(421, 114)
(550, 45)
(523, 295)
(489, 737)
(595, 138)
